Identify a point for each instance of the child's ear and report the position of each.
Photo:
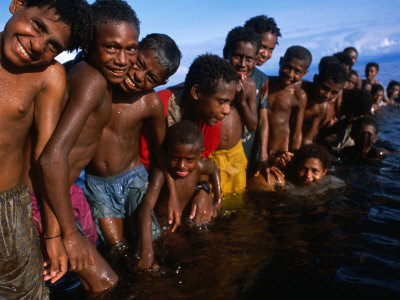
(194, 92)
(16, 5)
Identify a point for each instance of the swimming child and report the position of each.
(287, 102)
(364, 132)
(183, 143)
(110, 54)
(33, 87)
(393, 90)
(116, 179)
(377, 93)
(269, 33)
(240, 50)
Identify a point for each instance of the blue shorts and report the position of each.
(117, 196)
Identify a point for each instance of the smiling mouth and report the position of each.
(25, 55)
(117, 72)
(129, 83)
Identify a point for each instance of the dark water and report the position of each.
(342, 244)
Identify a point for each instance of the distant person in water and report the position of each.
(183, 145)
(377, 93)
(364, 132)
(269, 33)
(393, 90)
(310, 164)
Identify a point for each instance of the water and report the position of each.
(344, 243)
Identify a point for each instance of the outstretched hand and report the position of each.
(56, 265)
(80, 251)
(174, 214)
(202, 210)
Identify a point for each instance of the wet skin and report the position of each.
(76, 137)
(268, 43)
(310, 170)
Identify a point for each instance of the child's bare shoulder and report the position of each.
(84, 74)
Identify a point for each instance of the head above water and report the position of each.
(377, 92)
(364, 132)
(268, 32)
(393, 89)
(310, 163)
(241, 48)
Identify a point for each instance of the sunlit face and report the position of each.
(327, 90)
(243, 58)
(34, 36)
(213, 109)
(366, 136)
(146, 74)
(268, 43)
(292, 70)
(371, 73)
(352, 81)
(378, 96)
(310, 170)
(115, 50)
(183, 159)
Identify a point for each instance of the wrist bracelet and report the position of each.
(203, 185)
(52, 237)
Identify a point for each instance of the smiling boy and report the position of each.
(33, 87)
(116, 179)
(110, 54)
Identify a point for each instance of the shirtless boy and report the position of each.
(269, 33)
(184, 142)
(116, 180)
(33, 85)
(109, 56)
(287, 102)
(240, 50)
(210, 86)
(325, 88)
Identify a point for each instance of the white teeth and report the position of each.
(22, 49)
(130, 82)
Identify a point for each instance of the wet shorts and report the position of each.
(117, 196)
(21, 262)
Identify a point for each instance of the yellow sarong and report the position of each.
(232, 164)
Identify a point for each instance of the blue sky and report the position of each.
(324, 27)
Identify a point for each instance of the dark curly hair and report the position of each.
(335, 72)
(391, 85)
(357, 124)
(240, 34)
(166, 51)
(372, 64)
(376, 88)
(184, 132)
(327, 60)
(344, 58)
(262, 24)
(112, 11)
(311, 151)
(349, 49)
(356, 102)
(76, 14)
(207, 71)
(298, 52)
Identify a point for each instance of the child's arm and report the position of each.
(145, 231)
(207, 167)
(296, 135)
(247, 103)
(315, 125)
(85, 95)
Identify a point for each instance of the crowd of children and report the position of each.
(153, 159)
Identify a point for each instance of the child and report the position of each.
(325, 88)
(371, 70)
(240, 50)
(33, 87)
(210, 86)
(310, 164)
(393, 90)
(352, 52)
(287, 102)
(269, 33)
(345, 60)
(116, 179)
(377, 93)
(364, 132)
(110, 54)
(366, 86)
(352, 80)
(183, 144)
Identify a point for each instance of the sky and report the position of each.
(324, 27)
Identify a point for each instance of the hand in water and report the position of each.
(80, 251)
(174, 213)
(202, 208)
(271, 174)
(56, 265)
(147, 262)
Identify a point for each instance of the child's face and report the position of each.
(33, 37)
(146, 74)
(371, 72)
(353, 55)
(115, 50)
(183, 159)
(378, 96)
(366, 136)
(243, 58)
(292, 70)
(268, 43)
(214, 108)
(394, 91)
(352, 81)
(368, 87)
(310, 170)
(327, 90)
